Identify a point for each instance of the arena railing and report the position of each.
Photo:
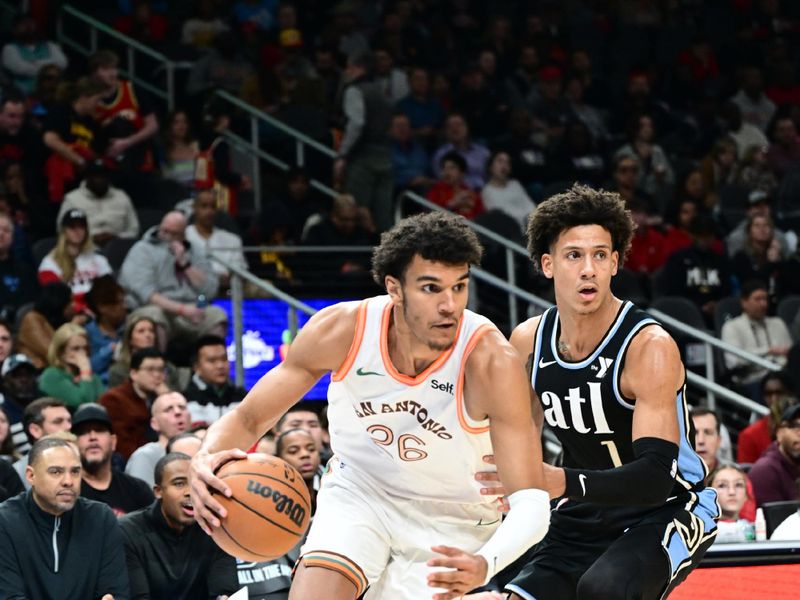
(69, 17)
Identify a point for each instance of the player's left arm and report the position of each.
(652, 376)
(496, 387)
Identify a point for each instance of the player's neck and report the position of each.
(409, 355)
(580, 333)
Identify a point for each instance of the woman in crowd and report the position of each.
(106, 301)
(180, 150)
(655, 173)
(141, 331)
(74, 260)
(762, 256)
(50, 311)
(69, 376)
(504, 193)
(730, 481)
(6, 340)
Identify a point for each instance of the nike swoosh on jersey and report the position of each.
(582, 479)
(482, 524)
(543, 364)
(362, 372)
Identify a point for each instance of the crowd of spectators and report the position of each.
(114, 358)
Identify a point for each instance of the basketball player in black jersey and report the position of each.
(632, 516)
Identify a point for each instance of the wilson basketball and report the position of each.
(268, 512)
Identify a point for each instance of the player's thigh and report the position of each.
(635, 566)
(349, 536)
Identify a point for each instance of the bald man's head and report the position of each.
(172, 227)
(170, 415)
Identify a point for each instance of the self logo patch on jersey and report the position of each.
(360, 371)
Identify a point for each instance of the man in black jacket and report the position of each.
(168, 555)
(210, 393)
(56, 544)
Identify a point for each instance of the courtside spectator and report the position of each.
(106, 302)
(18, 387)
(56, 544)
(129, 403)
(126, 116)
(42, 417)
(458, 140)
(205, 237)
(364, 161)
(51, 309)
(301, 416)
(100, 482)
(776, 393)
(451, 190)
(166, 272)
(28, 53)
(18, 284)
(756, 333)
(758, 204)
(731, 484)
(74, 260)
(505, 194)
(69, 376)
(775, 474)
(210, 392)
(170, 418)
(72, 135)
(109, 210)
(167, 554)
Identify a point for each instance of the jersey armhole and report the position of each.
(622, 398)
(466, 422)
(361, 321)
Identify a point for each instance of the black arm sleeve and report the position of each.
(646, 481)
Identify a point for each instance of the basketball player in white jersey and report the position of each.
(421, 390)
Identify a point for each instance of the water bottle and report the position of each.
(202, 301)
(761, 525)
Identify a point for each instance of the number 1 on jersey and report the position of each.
(612, 450)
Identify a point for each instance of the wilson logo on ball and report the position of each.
(283, 504)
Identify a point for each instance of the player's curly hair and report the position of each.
(437, 236)
(579, 205)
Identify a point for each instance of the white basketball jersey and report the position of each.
(411, 435)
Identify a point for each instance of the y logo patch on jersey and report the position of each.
(360, 371)
(605, 364)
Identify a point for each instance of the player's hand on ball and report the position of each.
(468, 571)
(207, 511)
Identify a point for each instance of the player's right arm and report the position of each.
(321, 346)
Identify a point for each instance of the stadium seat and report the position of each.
(116, 250)
(627, 285)
(787, 309)
(42, 247)
(776, 513)
(726, 309)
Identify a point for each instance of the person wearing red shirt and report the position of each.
(776, 390)
(647, 246)
(451, 192)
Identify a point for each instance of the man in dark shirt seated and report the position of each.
(55, 544)
(211, 393)
(167, 553)
(96, 443)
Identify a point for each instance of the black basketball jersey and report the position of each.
(585, 407)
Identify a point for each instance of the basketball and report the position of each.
(268, 512)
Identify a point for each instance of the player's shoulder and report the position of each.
(523, 335)
(654, 350)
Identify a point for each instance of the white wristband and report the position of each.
(525, 524)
